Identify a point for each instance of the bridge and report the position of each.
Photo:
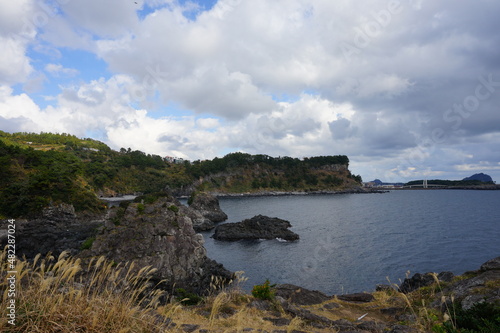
(425, 185)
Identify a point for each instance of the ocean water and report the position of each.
(352, 242)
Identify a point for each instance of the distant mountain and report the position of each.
(378, 182)
(480, 177)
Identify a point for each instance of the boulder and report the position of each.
(423, 280)
(300, 296)
(258, 227)
(356, 297)
(208, 206)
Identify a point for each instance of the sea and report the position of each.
(353, 242)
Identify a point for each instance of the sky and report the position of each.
(406, 89)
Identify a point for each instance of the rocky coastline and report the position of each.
(163, 235)
(356, 190)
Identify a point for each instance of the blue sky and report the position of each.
(406, 89)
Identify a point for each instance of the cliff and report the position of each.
(159, 235)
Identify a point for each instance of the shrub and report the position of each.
(173, 208)
(140, 208)
(87, 244)
(263, 291)
(481, 318)
(187, 298)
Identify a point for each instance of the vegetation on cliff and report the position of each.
(39, 169)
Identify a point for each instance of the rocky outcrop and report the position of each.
(423, 280)
(298, 295)
(208, 206)
(477, 286)
(56, 230)
(356, 297)
(162, 236)
(258, 227)
(200, 222)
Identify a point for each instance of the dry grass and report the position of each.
(52, 296)
(66, 295)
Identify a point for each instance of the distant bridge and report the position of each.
(424, 185)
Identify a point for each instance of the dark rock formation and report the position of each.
(258, 227)
(491, 265)
(162, 236)
(298, 295)
(208, 206)
(56, 230)
(422, 280)
(478, 286)
(357, 297)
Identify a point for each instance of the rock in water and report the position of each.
(258, 227)
(208, 206)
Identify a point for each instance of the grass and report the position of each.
(53, 296)
(66, 294)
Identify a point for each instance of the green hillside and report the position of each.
(39, 169)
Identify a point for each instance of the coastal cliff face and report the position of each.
(160, 235)
(57, 229)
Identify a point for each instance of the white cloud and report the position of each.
(223, 66)
(16, 32)
(60, 70)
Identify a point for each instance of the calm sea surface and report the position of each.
(352, 242)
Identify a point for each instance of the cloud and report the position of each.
(16, 32)
(378, 81)
(58, 70)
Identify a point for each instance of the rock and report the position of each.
(403, 329)
(385, 287)
(356, 297)
(331, 306)
(200, 222)
(160, 236)
(303, 314)
(493, 264)
(258, 227)
(445, 276)
(372, 326)
(189, 327)
(392, 311)
(423, 280)
(58, 229)
(260, 304)
(208, 206)
(476, 289)
(278, 321)
(298, 295)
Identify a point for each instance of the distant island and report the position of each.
(476, 181)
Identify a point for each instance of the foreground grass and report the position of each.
(67, 295)
(53, 296)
